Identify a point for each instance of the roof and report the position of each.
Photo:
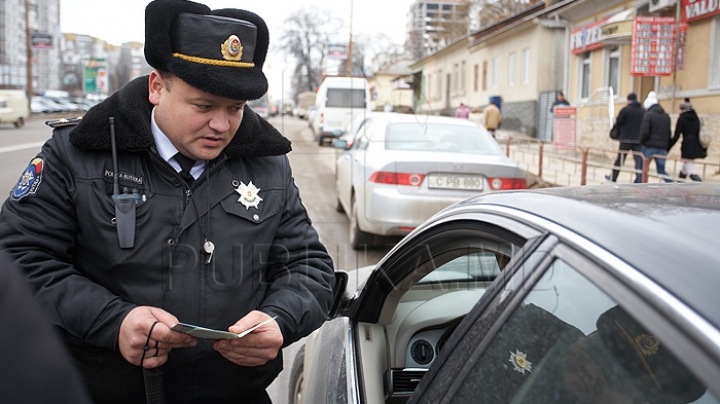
(667, 231)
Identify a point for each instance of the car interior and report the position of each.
(442, 284)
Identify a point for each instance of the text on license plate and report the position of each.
(455, 182)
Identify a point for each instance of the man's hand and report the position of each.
(256, 348)
(134, 333)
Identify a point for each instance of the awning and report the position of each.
(617, 30)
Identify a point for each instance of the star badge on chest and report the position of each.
(248, 195)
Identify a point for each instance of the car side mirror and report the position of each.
(340, 144)
(339, 293)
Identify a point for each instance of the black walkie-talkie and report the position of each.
(124, 203)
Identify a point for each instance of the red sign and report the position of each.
(564, 128)
(653, 43)
(587, 37)
(682, 47)
(693, 10)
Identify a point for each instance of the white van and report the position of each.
(339, 100)
(13, 107)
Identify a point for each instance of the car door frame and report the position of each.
(630, 289)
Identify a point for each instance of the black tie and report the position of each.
(186, 163)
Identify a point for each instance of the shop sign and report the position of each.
(653, 44)
(693, 10)
(41, 41)
(565, 128)
(587, 37)
(682, 47)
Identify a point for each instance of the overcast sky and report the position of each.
(124, 21)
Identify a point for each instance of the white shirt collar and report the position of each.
(167, 150)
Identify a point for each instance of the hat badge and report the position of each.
(648, 344)
(232, 48)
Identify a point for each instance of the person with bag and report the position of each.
(688, 125)
(627, 126)
(655, 134)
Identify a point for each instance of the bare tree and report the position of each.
(305, 37)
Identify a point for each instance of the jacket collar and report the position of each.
(131, 110)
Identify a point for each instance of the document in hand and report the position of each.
(208, 333)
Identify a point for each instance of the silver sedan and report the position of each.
(402, 169)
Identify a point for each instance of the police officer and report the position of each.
(172, 201)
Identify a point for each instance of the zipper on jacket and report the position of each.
(188, 194)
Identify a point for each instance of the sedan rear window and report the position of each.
(417, 136)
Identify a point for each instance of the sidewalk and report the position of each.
(566, 167)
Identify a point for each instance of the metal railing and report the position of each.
(587, 165)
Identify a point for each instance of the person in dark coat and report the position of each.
(172, 201)
(36, 367)
(688, 125)
(628, 123)
(655, 134)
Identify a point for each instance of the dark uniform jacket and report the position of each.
(629, 121)
(688, 124)
(655, 129)
(58, 225)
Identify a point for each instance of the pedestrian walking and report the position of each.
(462, 111)
(173, 201)
(688, 125)
(655, 134)
(628, 124)
(493, 118)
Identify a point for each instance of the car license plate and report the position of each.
(474, 183)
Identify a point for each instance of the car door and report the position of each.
(346, 165)
(572, 327)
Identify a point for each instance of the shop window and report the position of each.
(456, 78)
(585, 76)
(613, 69)
(526, 66)
(484, 75)
(714, 72)
(511, 69)
(476, 74)
(496, 67)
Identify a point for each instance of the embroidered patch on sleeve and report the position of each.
(29, 181)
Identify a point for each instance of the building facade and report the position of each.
(515, 61)
(606, 53)
(40, 19)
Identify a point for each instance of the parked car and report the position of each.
(402, 169)
(591, 294)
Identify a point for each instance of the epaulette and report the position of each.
(59, 123)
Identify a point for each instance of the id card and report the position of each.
(208, 333)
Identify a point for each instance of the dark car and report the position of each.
(596, 294)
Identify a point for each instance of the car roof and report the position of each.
(668, 232)
(393, 117)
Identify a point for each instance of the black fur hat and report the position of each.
(218, 51)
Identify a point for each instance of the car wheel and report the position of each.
(19, 123)
(296, 378)
(339, 207)
(358, 238)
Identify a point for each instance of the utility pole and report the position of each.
(350, 43)
(29, 53)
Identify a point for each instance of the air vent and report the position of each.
(368, 334)
(404, 381)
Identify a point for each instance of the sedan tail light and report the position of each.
(507, 183)
(386, 177)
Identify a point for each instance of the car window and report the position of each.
(480, 266)
(568, 342)
(419, 136)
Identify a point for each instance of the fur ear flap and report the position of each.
(159, 16)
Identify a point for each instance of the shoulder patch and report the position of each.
(29, 181)
(59, 123)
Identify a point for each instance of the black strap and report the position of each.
(186, 164)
